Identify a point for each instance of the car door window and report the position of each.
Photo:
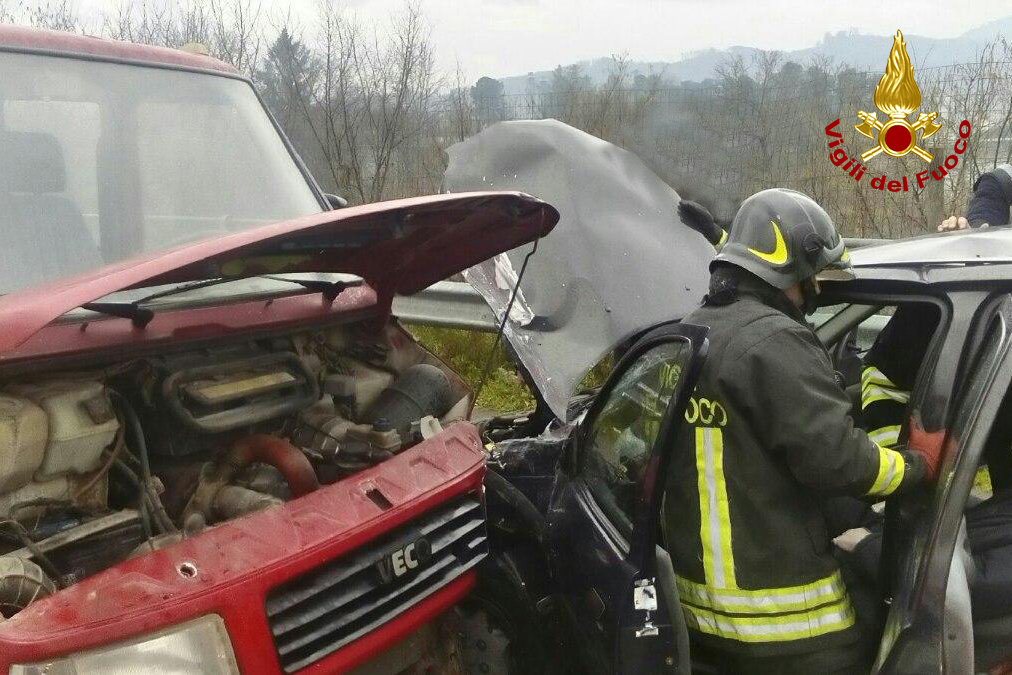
(617, 445)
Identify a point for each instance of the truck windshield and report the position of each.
(100, 162)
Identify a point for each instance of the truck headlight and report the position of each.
(192, 648)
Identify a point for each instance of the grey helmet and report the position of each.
(784, 237)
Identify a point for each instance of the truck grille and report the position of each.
(338, 602)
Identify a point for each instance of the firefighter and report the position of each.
(991, 203)
(890, 369)
(768, 437)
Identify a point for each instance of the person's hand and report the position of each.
(928, 446)
(699, 219)
(953, 223)
(849, 540)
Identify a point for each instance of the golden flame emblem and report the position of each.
(897, 95)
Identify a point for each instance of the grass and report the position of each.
(467, 352)
(505, 390)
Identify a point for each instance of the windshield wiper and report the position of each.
(329, 289)
(139, 316)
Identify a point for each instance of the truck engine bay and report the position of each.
(103, 465)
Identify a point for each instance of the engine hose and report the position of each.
(134, 423)
(22, 582)
(279, 453)
(148, 501)
(518, 502)
(117, 445)
(29, 543)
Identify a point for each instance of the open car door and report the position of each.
(930, 627)
(604, 517)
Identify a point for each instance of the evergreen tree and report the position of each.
(286, 79)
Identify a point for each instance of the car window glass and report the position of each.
(994, 472)
(101, 162)
(74, 127)
(176, 206)
(618, 443)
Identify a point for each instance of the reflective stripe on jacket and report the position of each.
(883, 405)
(768, 436)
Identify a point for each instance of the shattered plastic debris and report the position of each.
(495, 280)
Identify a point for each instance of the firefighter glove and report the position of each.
(701, 220)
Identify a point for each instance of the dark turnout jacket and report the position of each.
(992, 198)
(768, 436)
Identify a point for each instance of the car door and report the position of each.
(930, 627)
(603, 517)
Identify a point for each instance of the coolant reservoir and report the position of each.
(23, 430)
(58, 488)
(81, 424)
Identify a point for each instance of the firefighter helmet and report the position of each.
(784, 237)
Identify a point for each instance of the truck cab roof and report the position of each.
(57, 43)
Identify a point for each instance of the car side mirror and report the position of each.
(335, 201)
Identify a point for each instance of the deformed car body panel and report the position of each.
(397, 247)
(985, 245)
(618, 262)
(237, 563)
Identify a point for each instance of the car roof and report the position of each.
(21, 39)
(968, 248)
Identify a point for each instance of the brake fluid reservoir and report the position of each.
(81, 424)
(23, 430)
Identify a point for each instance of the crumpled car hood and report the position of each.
(618, 262)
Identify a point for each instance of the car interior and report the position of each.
(988, 519)
(988, 511)
(96, 167)
(44, 227)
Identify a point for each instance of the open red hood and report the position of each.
(398, 247)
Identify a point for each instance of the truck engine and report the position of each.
(100, 465)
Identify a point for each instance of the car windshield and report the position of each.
(100, 162)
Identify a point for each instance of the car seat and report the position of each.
(44, 234)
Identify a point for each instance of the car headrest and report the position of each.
(32, 162)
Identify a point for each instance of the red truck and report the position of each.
(219, 452)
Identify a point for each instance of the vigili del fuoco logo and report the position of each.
(897, 96)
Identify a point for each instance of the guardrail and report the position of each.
(454, 304)
(451, 304)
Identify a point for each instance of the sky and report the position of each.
(513, 37)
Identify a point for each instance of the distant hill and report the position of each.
(860, 51)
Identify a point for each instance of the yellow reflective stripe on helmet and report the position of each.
(885, 436)
(723, 238)
(797, 626)
(890, 472)
(714, 516)
(779, 255)
(824, 591)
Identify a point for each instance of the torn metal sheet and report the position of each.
(618, 262)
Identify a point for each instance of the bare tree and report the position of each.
(52, 15)
(368, 111)
(460, 108)
(231, 30)
(373, 105)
